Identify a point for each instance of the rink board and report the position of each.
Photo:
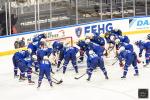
(135, 25)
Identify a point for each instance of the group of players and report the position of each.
(93, 46)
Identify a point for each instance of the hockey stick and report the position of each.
(80, 76)
(57, 81)
(115, 62)
(59, 69)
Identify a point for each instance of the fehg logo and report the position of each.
(143, 22)
(97, 29)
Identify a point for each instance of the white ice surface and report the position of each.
(97, 89)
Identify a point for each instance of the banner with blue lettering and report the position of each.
(139, 23)
(103, 27)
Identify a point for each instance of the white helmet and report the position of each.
(45, 58)
(43, 40)
(77, 46)
(67, 45)
(29, 50)
(117, 41)
(115, 29)
(122, 48)
(112, 38)
(89, 35)
(91, 52)
(34, 57)
(87, 41)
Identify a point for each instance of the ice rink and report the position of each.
(97, 89)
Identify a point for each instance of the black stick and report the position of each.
(115, 62)
(59, 69)
(57, 81)
(80, 76)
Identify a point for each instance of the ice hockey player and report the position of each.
(58, 48)
(70, 55)
(116, 32)
(119, 42)
(18, 56)
(39, 37)
(98, 40)
(23, 61)
(43, 51)
(81, 43)
(35, 43)
(140, 45)
(45, 69)
(145, 46)
(94, 61)
(129, 58)
(100, 51)
(110, 39)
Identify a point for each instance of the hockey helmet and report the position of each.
(112, 38)
(29, 50)
(87, 41)
(117, 41)
(34, 57)
(89, 35)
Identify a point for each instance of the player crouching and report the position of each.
(92, 62)
(23, 62)
(70, 54)
(129, 58)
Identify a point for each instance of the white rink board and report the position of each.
(97, 89)
(97, 27)
(127, 25)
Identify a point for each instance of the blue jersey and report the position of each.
(43, 52)
(21, 55)
(57, 46)
(82, 44)
(32, 47)
(124, 39)
(45, 64)
(38, 38)
(70, 51)
(126, 55)
(140, 44)
(92, 61)
(126, 45)
(118, 32)
(147, 47)
(28, 61)
(96, 48)
(70, 54)
(45, 69)
(98, 40)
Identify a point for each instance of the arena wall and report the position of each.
(133, 25)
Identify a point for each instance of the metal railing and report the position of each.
(35, 15)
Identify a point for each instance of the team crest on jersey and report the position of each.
(78, 31)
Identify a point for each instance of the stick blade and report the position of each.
(76, 78)
(60, 81)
